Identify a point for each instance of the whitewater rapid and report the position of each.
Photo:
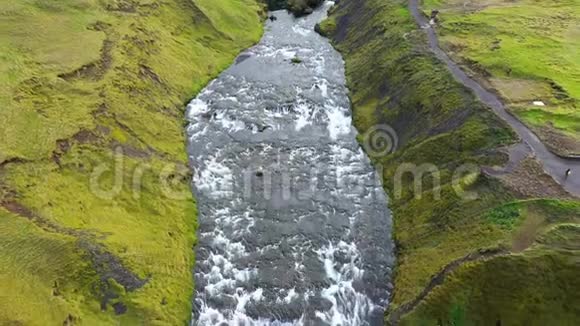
(294, 227)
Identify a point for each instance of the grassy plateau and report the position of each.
(472, 248)
(97, 223)
(527, 51)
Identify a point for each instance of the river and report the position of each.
(294, 227)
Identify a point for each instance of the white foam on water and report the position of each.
(339, 123)
(268, 51)
(244, 298)
(324, 88)
(321, 65)
(216, 179)
(231, 125)
(301, 30)
(211, 316)
(349, 307)
(290, 296)
(230, 106)
(196, 107)
(304, 116)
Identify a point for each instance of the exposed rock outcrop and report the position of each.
(297, 7)
(303, 7)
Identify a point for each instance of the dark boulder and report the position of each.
(119, 308)
(303, 7)
(319, 30)
(277, 4)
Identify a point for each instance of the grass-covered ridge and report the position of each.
(526, 50)
(394, 79)
(93, 85)
(535, 286)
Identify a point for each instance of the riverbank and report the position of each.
(97, 220)
(394, 79)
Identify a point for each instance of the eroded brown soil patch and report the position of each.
(528, 180)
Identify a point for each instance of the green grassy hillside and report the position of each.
(538, 286)
(527, 51)
(97, 221)
(469, 217)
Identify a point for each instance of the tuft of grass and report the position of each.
(104, 75)
(505, 216)
(296, 60)
(563, 236)
(327, 27)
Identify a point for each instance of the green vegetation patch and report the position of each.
(42, 275)
(535, 288)
(505, 289)
(326, 27)
(444, 137)
(394, 80)
(97, 216)
(562, 236)
(296, 60)
(506, 216)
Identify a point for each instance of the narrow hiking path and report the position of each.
(437, 279)
(553, 165)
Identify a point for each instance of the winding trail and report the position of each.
(438, 279)
(553, 165)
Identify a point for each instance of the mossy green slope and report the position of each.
(394, 79)
(536, 286)
(98, 223)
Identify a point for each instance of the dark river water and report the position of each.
(294, 227)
